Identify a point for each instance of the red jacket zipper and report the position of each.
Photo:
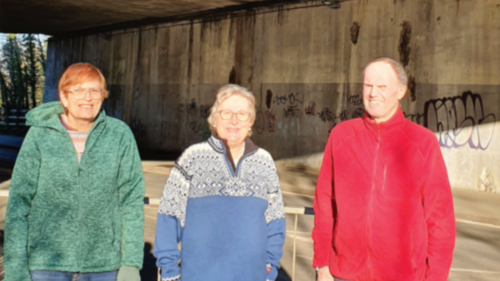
(368, 219)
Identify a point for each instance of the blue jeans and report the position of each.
(45, 275)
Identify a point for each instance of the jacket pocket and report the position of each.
(112, 227)
(39, 233)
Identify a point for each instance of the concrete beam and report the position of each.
(91, 16)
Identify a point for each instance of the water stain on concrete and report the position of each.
(232, 76)
(355, 32)
(404, 43)
(190, 53)
(428, 7)
(269, 98)
(412, 87)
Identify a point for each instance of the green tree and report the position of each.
(22, 72)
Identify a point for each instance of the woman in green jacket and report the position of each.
(75, 209)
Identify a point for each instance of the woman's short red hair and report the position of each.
(80, 73)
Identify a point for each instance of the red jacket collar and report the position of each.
(394, 122)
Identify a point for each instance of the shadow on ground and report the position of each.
(283, 276)
(149, 271)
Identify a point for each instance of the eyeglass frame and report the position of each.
(86, 90)
(234, 113)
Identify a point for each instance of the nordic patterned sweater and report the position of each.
(230, 220)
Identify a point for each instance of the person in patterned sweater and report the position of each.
(223, 201)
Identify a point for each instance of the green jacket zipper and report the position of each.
(80, 204)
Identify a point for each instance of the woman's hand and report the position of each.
(325, 275)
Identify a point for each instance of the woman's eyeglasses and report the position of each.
(79, 93)
(228, 114)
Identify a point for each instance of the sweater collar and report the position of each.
(395, 121)
(221, 146)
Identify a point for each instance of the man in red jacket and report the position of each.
(383, 204)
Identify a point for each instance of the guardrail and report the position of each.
(13, 117)
(296, 211)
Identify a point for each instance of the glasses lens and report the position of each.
(79, 93)
(96, 93)
(226, 114)
(243, 116)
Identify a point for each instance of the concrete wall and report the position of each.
(304, 63)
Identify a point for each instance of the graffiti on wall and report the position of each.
(204, 111)
(458, 120)
(192, 105)
(415, 118)
(326, 115)
(197, 117)
(291, 99)
(292, 105)
(309, 110)
(291, 111)
(265, 121)
(355, 99)
(358, 112)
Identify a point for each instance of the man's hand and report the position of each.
(324, 274)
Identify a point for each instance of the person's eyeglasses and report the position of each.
(79, 93)
(228, 114)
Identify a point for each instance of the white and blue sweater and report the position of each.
(230, 220)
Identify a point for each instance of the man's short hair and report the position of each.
(396, 66)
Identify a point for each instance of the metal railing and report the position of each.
(13, 117)
(296, 211)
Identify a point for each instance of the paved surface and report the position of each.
(477, 251)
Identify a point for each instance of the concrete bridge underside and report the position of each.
(62, 16)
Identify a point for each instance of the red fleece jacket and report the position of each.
(383, 204)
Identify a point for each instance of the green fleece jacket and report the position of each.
(75, 217)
